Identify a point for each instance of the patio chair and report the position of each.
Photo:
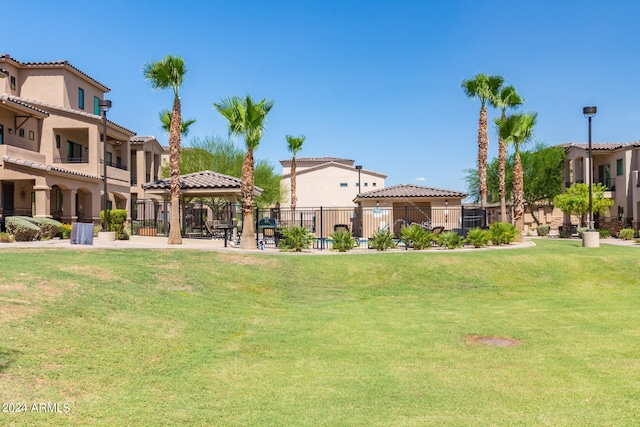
(341, 228)
(269, 234)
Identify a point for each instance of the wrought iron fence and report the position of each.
(224, 221)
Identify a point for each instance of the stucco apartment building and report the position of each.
(51, 145)
(616, 166)
(328, 181)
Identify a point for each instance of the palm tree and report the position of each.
(517, 129)
(166, 73)
(485, 88)
(294, 144)
(246, 118)
(507, 98)
(165, 119)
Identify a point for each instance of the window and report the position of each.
(366, 184)
(13, 82)
(374, 184)
(357, 184)
(118, 161)
(1, 134)
(21, 133)
(620, 213)
(81, 98)
(619, 167)
(109, 158)
(74, 152)
(57, 141)
(32, 135)
(96, 107)
(343, 184)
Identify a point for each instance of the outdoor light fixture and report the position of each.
(589, 112)
(104, 105)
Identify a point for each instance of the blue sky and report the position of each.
(373, 81)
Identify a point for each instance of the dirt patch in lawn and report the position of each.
(246, 260)
(493, 341)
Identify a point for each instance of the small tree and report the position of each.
(575, 201)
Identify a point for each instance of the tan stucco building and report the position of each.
(328, 181)
(51, 152)
(615, 165)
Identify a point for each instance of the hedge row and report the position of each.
(26, 228)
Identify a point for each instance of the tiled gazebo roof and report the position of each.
(203, 184)
(402, 191)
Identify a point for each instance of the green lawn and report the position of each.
(176, 337)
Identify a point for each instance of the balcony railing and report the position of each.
(70, 160)
(115, 165)
(610, 183)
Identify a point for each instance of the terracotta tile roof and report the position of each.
(32, 102)
(332, 164)
(326, 159)
(54, 64)
(409, 190)
(16, 100)
(141, 139)
(46, 168)
(199, 180)
(600, 145)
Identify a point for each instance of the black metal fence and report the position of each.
(224, 221)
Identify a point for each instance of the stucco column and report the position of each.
(43, 200)
(69, 206)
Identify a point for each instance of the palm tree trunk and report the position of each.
(248, 230)
(502, 166)
(518, 195)
(175, 237)
(293, 186)
(483, 148)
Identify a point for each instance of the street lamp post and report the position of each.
(589, 112)
(104, 105)
(359, 228)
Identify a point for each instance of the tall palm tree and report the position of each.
(485, 88)
(294, 145)
(166, 73)
(517, 130)
(247, 119)
(507, 98)
(165, 119)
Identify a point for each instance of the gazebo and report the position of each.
(198, 185)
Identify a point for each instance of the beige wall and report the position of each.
(322, 187)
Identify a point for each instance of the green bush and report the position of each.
(450, 239)
(342, 241)
(543, 230)
(581, 230)
(295, 239)
(604, 233)
(6, 238)
(382, 240)
(478, 237)
(65, 231)
(49, 228)
(502, 233)
(626, 234)
(416, 237)
(21, 229)
(116, 221)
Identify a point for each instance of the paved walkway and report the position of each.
(141, 242)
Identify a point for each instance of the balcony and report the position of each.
(609, 183)
(66, 160)
(115, 165)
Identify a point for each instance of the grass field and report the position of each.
(175, 337)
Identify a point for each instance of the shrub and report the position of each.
(382, 240)
(502, 233)
(416, 237)
(65, 231)
(604, 233)
(21, 229)
(543, 230)
(49, 228)
(478, 237)
(626, 234)
(6, 238)
(295, 239)
(342, 241)
(116, 222)
(450, 239)
(581, 230)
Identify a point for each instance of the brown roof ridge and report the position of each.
(19, 101)
(58, 63)
(46, 167)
